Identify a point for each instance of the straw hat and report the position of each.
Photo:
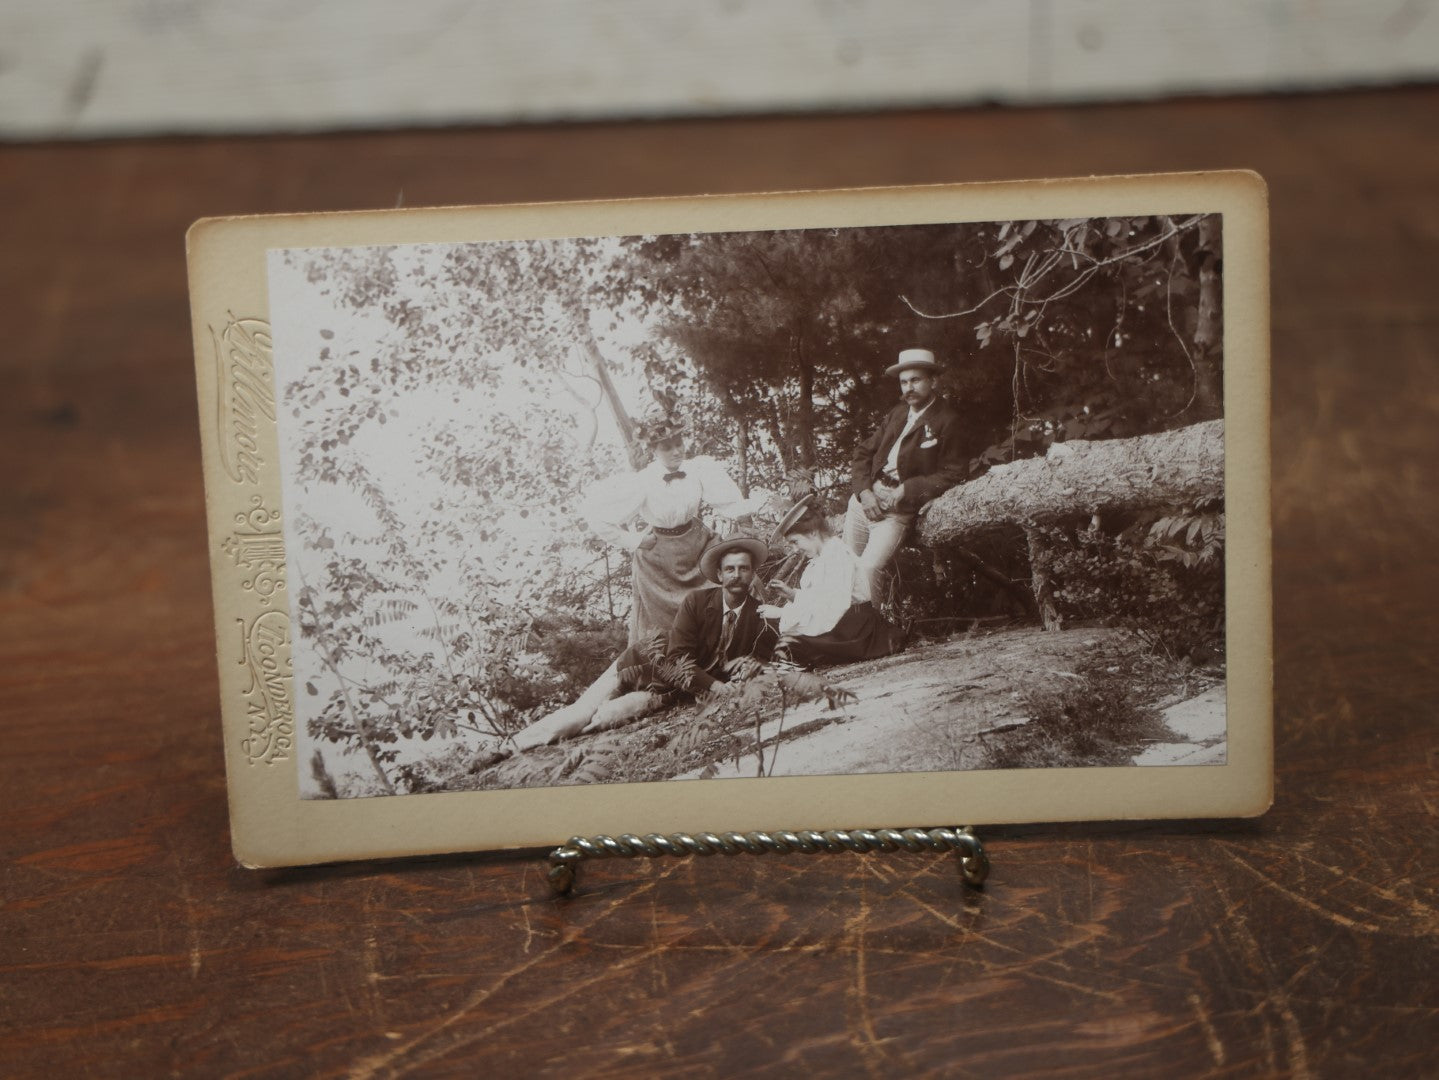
(790, 519)
(913, 360)
(710, 560)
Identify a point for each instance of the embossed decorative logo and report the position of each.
(246, 399)
(269, 706)
(259, 547)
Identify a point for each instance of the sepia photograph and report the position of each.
(713, 505)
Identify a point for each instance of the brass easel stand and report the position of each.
(565, 861)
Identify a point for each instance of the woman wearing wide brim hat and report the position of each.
(831, 619)
(658, 428)
(654, 514)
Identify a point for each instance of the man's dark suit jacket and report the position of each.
(698, 626)
(931, 458)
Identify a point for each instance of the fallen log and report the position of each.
(1083, 477)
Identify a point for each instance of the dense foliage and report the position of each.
(1162, 576)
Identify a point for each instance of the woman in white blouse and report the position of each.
(655, 515)
(830, 618)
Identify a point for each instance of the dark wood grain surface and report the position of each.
(1300, 944)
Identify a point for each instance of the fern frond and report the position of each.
(390, 610)
(693, 736)
(799, 482)
(632, 676)
(677, 671)
(444, 632)
(653, 648)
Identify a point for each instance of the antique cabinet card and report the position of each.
(991, 461)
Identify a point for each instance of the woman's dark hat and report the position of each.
(791, 519)
(710, 560)
(652, 431)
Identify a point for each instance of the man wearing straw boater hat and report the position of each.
(914, 456)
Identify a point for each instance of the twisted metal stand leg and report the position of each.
(565, 861)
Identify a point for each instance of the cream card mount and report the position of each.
(460, 463)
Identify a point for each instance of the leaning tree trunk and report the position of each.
(638, 455)
(1079, 478)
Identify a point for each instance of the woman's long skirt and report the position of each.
(860, 634)
(662, 576)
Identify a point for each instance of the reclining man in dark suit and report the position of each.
(718, 635)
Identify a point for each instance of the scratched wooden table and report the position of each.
(131, 945)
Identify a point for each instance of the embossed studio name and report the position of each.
(269, 709)
(245, 367)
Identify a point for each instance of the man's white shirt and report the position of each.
(891, 464)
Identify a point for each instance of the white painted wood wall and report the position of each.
(104, 67)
